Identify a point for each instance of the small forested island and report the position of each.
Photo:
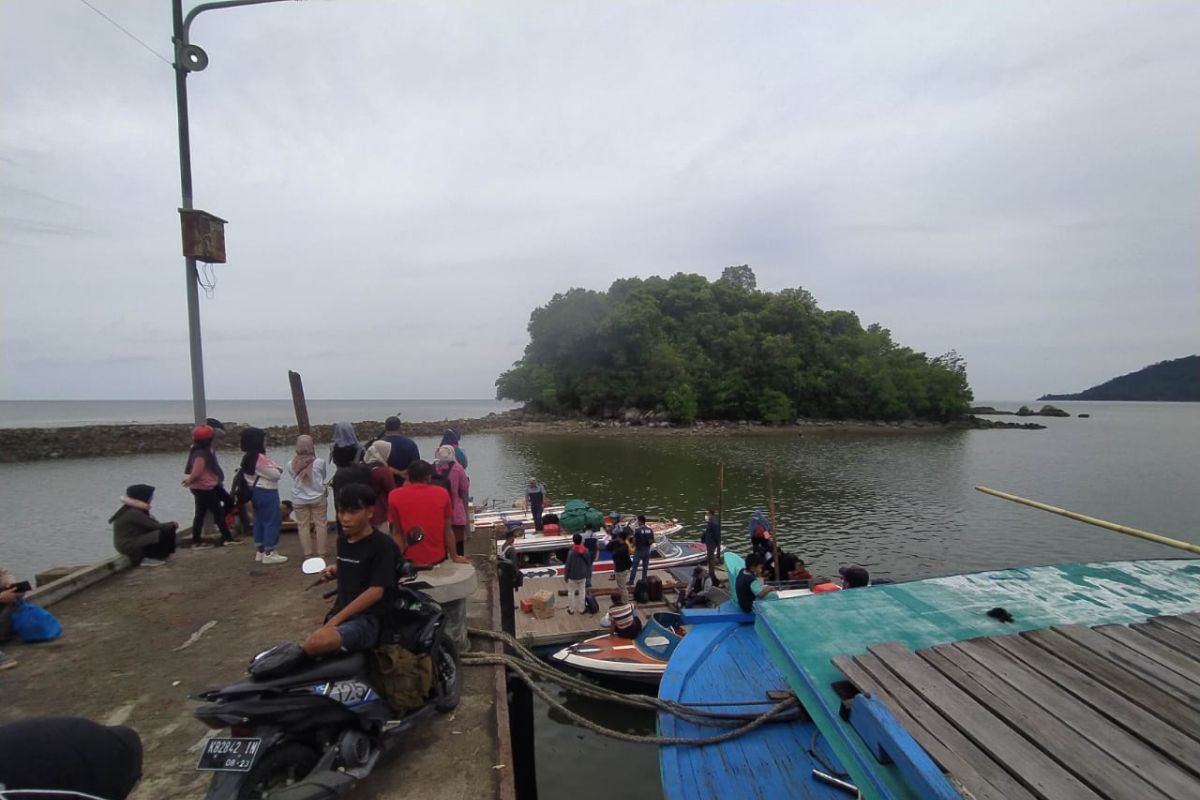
(690, 348)
(1173, 381)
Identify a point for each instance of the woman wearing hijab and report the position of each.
(204, 477)
(146, 541)
(309, 497)
(346, 448)
(382, 479)
(262, 475)
(451, 437)
(450, 472)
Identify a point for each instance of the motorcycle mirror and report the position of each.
(312, 566)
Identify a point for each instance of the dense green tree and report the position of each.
(723, 350)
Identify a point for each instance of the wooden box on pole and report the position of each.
(203, 235)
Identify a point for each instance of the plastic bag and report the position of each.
(35, 624)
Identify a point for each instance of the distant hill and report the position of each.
(1175, 381)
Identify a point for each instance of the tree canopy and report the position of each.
(698, 349)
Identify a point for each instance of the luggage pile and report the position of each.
(577, 515)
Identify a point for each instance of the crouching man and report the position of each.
(366, 578)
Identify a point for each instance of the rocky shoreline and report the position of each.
(41, 444)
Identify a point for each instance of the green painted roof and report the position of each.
(804, 634)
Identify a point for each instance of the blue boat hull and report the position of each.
(723, 667)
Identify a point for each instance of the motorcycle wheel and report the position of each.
(279, 768)
(447, 671)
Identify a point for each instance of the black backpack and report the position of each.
(641, 593)
(590, 606)
(243, 491)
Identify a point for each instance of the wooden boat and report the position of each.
(532, 541)
(665, 554)
(1073, 680)
(515, 514)
(642, 659)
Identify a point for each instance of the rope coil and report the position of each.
(525, 665)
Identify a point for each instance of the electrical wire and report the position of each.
(207, 278)
(126, 31)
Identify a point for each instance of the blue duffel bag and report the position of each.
(35, 624)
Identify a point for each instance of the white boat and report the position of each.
(642, 659)
(664, 554)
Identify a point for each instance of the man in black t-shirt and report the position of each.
(621, 561)
(404, 450)
(748, 586)
(366, 576)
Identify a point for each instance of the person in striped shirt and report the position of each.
(622, 618)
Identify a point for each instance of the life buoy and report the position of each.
(822, 588)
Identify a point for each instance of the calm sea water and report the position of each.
(56, 413)
(902, 504)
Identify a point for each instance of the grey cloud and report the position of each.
(1015, 181)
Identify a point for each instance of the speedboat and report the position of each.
(515, 514)
(664, 554)
(643, 659)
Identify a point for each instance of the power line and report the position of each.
(125, 31)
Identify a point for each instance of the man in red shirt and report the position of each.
(420, 504)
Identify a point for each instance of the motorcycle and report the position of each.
(303, 729)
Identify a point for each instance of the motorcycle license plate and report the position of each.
(229, 755)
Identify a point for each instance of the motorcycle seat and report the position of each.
(334, 668)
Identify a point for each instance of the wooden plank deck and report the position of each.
(563, 628)
(1063, 712)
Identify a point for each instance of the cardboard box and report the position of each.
(543, 604)
(527, 605)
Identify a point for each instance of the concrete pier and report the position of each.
(139, 642)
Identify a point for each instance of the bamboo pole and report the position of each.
(1112, 526)
(774, 527)
(712, 567)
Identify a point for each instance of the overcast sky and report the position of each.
(406, 181)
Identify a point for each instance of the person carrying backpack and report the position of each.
(450, 475)
(643, 540)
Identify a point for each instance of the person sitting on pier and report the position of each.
(146, 541)
(366, 578)
(10, 596)
(696, 593)
(622, 618)
(749, 586)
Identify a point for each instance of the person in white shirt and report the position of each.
(310, 499)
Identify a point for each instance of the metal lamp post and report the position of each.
(190, 58)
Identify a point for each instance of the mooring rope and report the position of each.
(526, 664)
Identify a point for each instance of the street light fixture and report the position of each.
(190, 58)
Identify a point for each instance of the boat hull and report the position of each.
(673, 554)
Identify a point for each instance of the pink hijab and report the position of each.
(306, 454)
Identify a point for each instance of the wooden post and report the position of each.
(298, 402)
